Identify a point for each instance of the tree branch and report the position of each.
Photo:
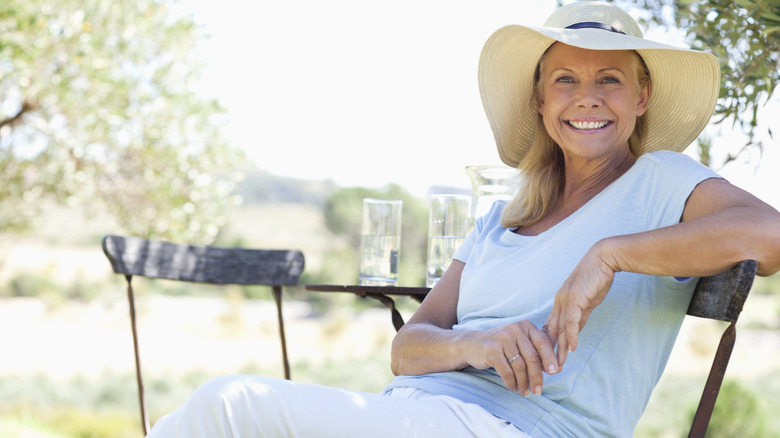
(27, 106)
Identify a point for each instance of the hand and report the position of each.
(585, 289)
(496, 347)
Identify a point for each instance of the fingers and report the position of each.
(563, 348)
(551, 328)
(514, 381)
(556, 331)
(584, 289)
(568, 334)
(574, 324)
(522, 369)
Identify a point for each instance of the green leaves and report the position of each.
(97, 108)
(745, 37)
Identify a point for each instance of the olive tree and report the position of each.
(745, 37)
(98, 109)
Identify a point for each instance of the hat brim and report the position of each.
(685, 85)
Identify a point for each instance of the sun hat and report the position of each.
(685, 83)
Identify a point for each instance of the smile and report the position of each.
(588, 125)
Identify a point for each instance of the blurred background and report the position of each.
(264, 125)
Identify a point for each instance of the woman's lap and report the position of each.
(253, 406)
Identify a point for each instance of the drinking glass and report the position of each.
(449, 220)
(380, 242)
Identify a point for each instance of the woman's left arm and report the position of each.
(721, 226)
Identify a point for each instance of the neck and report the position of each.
(585, 180)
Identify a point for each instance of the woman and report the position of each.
(559, 312)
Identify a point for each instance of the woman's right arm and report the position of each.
(427, 343)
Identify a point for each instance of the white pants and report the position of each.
(252, 407)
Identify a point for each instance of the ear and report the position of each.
(643, 99)
(540, 104)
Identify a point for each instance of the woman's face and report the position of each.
(590, 100)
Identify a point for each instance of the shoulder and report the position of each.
(674, 169)
(490, 220)
(493, 215)
(669, 159)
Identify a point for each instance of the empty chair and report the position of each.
(201, 264)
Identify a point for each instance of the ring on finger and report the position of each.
(513, 358)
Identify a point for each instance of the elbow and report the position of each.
(765, 270)
(767, 251)
(395, 367)
(769, 259)
(396, 361)
(769, 264)
(409, 351)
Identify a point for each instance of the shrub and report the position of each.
(737, 413)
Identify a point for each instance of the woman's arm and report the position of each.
(427, 343)
(721, 226)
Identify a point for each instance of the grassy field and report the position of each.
(66, 369)
(74, 377)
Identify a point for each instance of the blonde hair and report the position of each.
(542, 168)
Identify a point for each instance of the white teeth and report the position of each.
(588, 125)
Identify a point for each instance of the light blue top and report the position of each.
(605, 384)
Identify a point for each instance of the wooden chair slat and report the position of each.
(203, 264)
(722, 296)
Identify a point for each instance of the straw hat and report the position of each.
(685, 83)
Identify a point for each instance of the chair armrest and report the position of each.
(722, 296)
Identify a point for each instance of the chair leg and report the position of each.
(139, 377)
(277, 291)
(707, 403)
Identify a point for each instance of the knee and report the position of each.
(234, 390)
(218, 408)
(252, 404)
(221, 386)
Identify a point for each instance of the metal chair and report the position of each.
(201, 264)
(719, 297)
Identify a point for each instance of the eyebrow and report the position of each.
(601, 70)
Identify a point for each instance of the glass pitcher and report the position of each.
(490, 184)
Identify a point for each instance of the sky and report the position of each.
(367, 93)
(361, 92)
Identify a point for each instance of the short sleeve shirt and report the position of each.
(622, 351)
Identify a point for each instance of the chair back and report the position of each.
(200, 264)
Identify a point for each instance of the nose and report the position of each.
(588, 96)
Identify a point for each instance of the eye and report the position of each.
(564, 79)
(610, 80)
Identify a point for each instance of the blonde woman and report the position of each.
(559, 312)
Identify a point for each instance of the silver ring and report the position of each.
(513, 358)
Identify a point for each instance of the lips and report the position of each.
(588, 125)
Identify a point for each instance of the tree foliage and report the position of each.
(738, 413)
(98, 109)
(745, 37)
